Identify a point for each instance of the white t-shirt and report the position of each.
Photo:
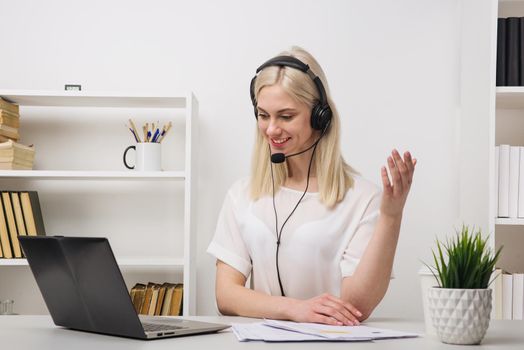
(319, 246)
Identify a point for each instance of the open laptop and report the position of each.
(83, 289)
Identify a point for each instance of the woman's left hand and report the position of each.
(396, 191)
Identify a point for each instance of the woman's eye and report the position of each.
(286, 117)
(263, 116)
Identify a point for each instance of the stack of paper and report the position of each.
(282, 331)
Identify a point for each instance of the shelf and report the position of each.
(94, 99)
(92, 175)
(124, 262)
(509, 221)
(510, 97)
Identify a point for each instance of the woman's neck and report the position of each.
(298, 173)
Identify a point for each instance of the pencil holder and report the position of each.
(147, 156)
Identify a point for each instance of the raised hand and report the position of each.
(396, 190)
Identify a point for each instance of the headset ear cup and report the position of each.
(320, 116)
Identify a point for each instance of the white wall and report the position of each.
(392, 66)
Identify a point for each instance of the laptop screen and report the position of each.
(82, 285)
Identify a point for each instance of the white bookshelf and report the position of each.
(489, 116)
(66, 172)
(92, 175)
(148, 262)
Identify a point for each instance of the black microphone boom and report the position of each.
(281, 157)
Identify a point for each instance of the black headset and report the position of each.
(321, 112)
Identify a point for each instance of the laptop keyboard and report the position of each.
(156, 327)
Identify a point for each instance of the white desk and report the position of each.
(39, 332)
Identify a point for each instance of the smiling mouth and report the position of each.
(280, 142)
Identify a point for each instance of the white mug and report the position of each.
(148, 156)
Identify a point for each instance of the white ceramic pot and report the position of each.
(460, 316)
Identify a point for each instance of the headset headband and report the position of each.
(290, 61)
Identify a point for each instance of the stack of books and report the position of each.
(9, 121)
(20, 215)
(13, 155)
(158, 299)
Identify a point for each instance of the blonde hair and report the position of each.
(335, 176)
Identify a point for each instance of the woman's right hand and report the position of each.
(326, 309)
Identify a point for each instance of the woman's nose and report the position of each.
(273, 127)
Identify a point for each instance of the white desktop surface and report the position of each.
(39, 332)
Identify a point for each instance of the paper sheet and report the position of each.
(285, 331)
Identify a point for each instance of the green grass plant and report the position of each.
(469, 264)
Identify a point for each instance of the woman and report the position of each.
(317, 240)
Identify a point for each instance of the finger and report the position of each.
(402, 168)
(352, 310)
(395, 175)
(409, 161)
(410, 166)
(330, 311)
(339, 308)
(385, 180)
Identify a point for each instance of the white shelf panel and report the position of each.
(510, 97)
(123, 262)
(95, 99)
(509, 221)
(151, 262)
(92, 175)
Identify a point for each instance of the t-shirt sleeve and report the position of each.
(360, 239)
(227, 244)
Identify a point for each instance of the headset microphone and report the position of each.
(278, 158)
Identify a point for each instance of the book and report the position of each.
(520, 213)
(503, 195)
(15, 166)
(9, 106)
(495, 202)
(501, 52)
(160, 300)
(11, 224)
(513, 192)
(170, 288)
(512, 51)
(518, 296)
(176, 302)
(14, 151)
(154, 299)
(19, 217)
(507, 296)
(33, 218)
(497, 295)
(138, 296)
(147, 299)
(9, 119)
(9, 132)
(521, 46)
(4, 234)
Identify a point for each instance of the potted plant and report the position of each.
(460, 306)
